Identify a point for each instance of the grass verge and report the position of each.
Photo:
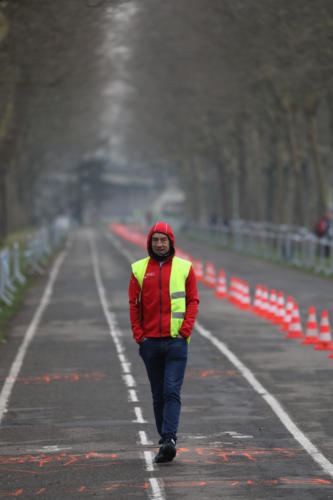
(8, 312)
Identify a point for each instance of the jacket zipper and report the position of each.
(160, 283)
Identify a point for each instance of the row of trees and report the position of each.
(234, 96)
(249, 115)
(273, 144)
(48, 106)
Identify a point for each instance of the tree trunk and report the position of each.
(224, 191)
(187, 186)
(193, 190)
(295, 203)
(199, 206)
(3, 207)
(6, 138)
(322, 195)
(242, 169)
(279, 198)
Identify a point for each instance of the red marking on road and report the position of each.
(229, 454)
(12, 494)
(305, 481)
(110, 488)
(47, 462)
(185, 484)
(200, 374)
(85, 489)
(71, 377)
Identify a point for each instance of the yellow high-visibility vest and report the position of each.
(179, 273)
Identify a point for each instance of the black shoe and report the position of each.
(159, 458)
(167, 452)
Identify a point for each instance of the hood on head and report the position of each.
(161, 227)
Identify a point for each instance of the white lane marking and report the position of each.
(132, 396)
(144, 439)
(123, 358)
(308, 446)
(156, 489)
(126, 367)
(149, 460)
(29, 335)
(54, 448)
(237, 435)
(119, 347)
(139, 416)
(129, 380)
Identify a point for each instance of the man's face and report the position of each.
(160, 243)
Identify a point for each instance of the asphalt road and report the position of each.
(75, 407)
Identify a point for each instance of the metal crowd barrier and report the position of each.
(291, 245)
(19, 261)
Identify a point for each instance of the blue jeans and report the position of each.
(165, 360)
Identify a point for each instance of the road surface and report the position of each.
(75, 407)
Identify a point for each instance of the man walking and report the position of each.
(164, 302)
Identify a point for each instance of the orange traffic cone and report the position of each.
(295, 328)
(280, 311)
(198, 269)
(311, 332)
(231, 290)
(245, 296)
(210, 275)
(239, 293)
(234, 292)
(221, 286)
(257, 299)
(288, 314)
(264, 302)
(325, 340)
(272, 306)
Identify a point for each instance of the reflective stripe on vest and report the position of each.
(179, 273)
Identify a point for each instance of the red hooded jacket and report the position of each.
(150, 308)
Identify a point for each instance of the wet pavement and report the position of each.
(80, 421)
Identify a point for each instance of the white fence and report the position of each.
(16, 262)
(291, 245)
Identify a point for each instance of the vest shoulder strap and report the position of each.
(139, 269)
(185, 265)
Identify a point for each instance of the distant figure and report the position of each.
(163, 301)
(213, 223)
(323, 230)
(323, 226)
(213, 220)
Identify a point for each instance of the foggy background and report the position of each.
(186, 110)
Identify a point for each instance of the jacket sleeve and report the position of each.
(134, 293)
(192, 303)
